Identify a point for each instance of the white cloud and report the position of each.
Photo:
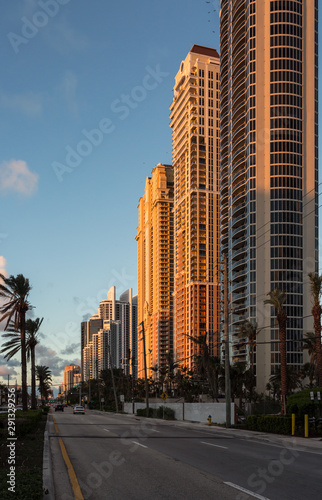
(3, 264)
(16, 176)
(67, 89)
(63, 38)
(29, 104)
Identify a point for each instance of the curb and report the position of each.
(47, 477)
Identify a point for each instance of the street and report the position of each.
(121, 456)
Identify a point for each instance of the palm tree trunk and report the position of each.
(282, 331)
(316, 311)
(23, 362)
(33, 380)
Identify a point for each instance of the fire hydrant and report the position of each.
(209, 420)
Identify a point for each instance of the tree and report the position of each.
(15, 291)
(204, 361)
(43, 375)
(32, 329)
(277, 299)
(316, 291)
(249, 331)
(309, 344)
(292, 379)
(13, 346)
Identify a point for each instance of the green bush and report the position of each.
(300, 404)
(141, 412)
(161, 412)
(166, 413)
(26, 422)
(269, 423)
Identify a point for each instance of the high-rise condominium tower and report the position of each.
(155, 270)
(195, 139)
(269, 168)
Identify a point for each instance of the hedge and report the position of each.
(161, 412)
(300, 404)
(269, 423)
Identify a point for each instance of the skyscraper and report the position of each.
(269, 168)
(155, 270)
(114, 325)
(195, 140)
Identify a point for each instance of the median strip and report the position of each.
(70, 469)
(251, 493)
(216, 445)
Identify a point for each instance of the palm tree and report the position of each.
(13, 346)
(15, 291)
(43, 375)
(309, 344)
(277, 299)
(32, 329)
(316, 292)
(205, 362)
(249, 331)
(292, 378)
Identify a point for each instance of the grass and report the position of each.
(28, 461)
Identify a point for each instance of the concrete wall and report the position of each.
(191, 412)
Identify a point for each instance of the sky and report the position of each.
(84, 117)
(85, 92)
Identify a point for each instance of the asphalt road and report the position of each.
(120, 456)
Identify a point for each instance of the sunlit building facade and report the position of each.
(155, 270)
(195, 141)
(269, 169)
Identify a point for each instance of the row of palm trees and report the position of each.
(22, 334)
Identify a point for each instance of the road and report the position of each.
(121, 456)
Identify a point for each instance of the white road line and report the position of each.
(251, 493)
(135, 442)
(216, 445)
(154, 430)
(106, 430)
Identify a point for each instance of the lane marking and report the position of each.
(216, 445)
(107, 430)
(143, 446)
(251, 493)
(72, 476)
(154, 430)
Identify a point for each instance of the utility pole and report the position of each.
(145, 372)
(227, 355)
(112, 375)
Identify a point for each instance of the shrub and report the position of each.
(141, 412)
(166, 413)
(300, 404)
(269, 423)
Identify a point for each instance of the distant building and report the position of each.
(115, 325)
(71, 377)
(155, 270)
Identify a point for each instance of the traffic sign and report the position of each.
(164, 396)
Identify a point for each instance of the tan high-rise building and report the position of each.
(155, 270)
(195, 131)
(269, 169)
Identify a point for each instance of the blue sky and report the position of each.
(71, 68)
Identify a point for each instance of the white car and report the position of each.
(79, 409)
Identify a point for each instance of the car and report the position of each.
(65, 405)
(59, 408)
(79, 409)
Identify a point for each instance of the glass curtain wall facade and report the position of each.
(269, 169)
